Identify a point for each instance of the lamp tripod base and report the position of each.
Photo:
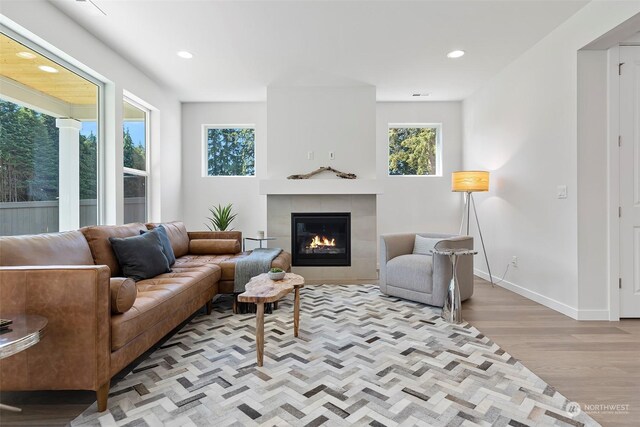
(469, 201)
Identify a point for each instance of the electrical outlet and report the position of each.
(514, 261)
(332, 155)
(309, 155)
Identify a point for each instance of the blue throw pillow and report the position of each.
(140, 257)
(166, 243)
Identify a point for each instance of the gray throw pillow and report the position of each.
(425, 245)
(166, 243)
(140, 257)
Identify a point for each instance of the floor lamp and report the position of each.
(469, 182)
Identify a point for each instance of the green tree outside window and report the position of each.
(230, 152)
(413, 150)
(29, 154)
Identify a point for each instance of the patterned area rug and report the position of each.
(362, 359)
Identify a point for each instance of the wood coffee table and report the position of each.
(261, 290)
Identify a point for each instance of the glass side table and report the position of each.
(452, 309)
(25, 331)
(255, 239)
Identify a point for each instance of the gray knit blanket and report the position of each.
(257, 262)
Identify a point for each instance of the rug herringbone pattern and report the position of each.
(362, 359)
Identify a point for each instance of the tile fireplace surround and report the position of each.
(363, 231)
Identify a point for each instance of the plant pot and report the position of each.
(276, 276)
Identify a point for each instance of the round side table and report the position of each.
(452, 309)
(25, 331)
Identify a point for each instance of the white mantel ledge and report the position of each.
(319, 186)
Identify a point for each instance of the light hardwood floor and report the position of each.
(589, 362)
(592, 363)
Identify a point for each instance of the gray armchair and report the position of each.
(423, 278)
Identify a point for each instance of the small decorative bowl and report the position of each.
(276, 276)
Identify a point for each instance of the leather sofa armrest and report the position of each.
(75, 350)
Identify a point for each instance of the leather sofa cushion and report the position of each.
(413, 272)
(177, 233)
(98, 239)
(189, 261)
(67, 248)
(123, 294)
(214, 246)
(227, 262)
(158, 298)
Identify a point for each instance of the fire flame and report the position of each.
(318, 241)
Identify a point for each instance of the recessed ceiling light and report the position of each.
(26, 55)
(48, 69)
(184, 54)
(455, 54)
(421, 94)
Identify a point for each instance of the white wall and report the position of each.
(80, 48)
(522, 126)
(200, 192)
(408, 204)
(321, 119)
(426, 203)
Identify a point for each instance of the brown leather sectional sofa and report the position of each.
(72, 279)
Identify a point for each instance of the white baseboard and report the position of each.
(593, 315)
(534, 296)
(548, 302)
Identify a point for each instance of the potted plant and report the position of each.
(221, 218)
(276, 274)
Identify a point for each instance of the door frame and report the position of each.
(613, 166)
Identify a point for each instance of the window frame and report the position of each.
(66, 61)
(205, 149)
(439, 151)
(128, 98)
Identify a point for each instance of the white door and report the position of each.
(630, 181)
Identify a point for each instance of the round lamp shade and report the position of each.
(470, 181)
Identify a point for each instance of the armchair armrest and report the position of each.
(75, 351)
(393, 245)
(453, 242)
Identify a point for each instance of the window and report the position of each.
(230, 150)
(415, 149)
(135, 128)
(49, 138)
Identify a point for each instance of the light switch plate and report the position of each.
(562, 191)
(310, 155)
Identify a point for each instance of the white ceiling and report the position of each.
(241, 47)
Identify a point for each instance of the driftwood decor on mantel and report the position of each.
(323, 169)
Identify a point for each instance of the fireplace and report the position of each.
(321, 239)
